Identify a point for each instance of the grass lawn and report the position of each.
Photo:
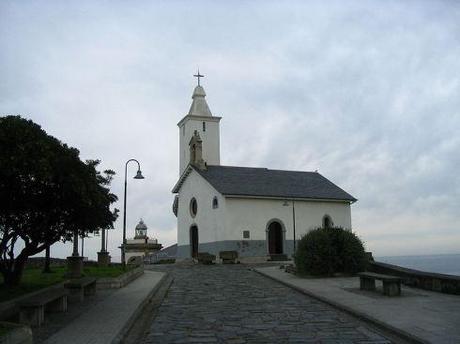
(3, 329)
(108, 271)
(33, 279)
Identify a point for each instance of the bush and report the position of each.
(325, 251)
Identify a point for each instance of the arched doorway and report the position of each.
(275, 238)
(327, 221)
(194, 241)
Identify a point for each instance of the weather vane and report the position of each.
(198, 75)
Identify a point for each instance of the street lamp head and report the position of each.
(139, 175)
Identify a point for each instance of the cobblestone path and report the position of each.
(231, 304)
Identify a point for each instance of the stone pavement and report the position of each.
(429, 316)
(107, 319)
(56, 321)
(233, 304)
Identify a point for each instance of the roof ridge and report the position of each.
(264, 168)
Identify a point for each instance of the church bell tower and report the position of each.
(199, 123)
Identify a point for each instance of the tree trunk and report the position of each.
(13, 277)
(46, 268)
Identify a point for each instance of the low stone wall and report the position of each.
(39, 262)
(9, 310)
(17, 334)
(120, 281)
(448, 284)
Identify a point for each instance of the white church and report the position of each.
(258, 212)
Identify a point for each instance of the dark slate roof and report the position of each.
(262, 182)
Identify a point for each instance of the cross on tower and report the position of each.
(198, 75)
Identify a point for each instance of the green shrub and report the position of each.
(325, 251)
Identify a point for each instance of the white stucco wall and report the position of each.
(235, 215)
(210, 138)
(135, 241)
(254, 215)
(208, 220)
(129, 255)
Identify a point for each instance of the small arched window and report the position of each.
(193, 207)
(215, 203)
(327, 221)
(204, 126)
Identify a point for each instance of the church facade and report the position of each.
(258, 212)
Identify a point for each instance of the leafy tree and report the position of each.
(325, 251)
(46, 194)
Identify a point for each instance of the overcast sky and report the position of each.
(365, 92)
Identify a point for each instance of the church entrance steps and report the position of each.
(278, 257)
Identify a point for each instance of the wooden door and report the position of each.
(194, 241)
(275, 238)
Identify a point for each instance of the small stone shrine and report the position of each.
(141, 246)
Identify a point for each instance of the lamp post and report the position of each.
(286, 204)
(137, 176)
(293, 222)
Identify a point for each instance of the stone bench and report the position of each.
(32, 309)
(80, 287)
(391, 284)
(205, 258)
(290, 269)
(228, 257)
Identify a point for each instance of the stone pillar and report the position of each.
(75, 244)
(74, 266)
(391, 288)
(75, 261)
(102, 240)
(103, 258)
(366, 283)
